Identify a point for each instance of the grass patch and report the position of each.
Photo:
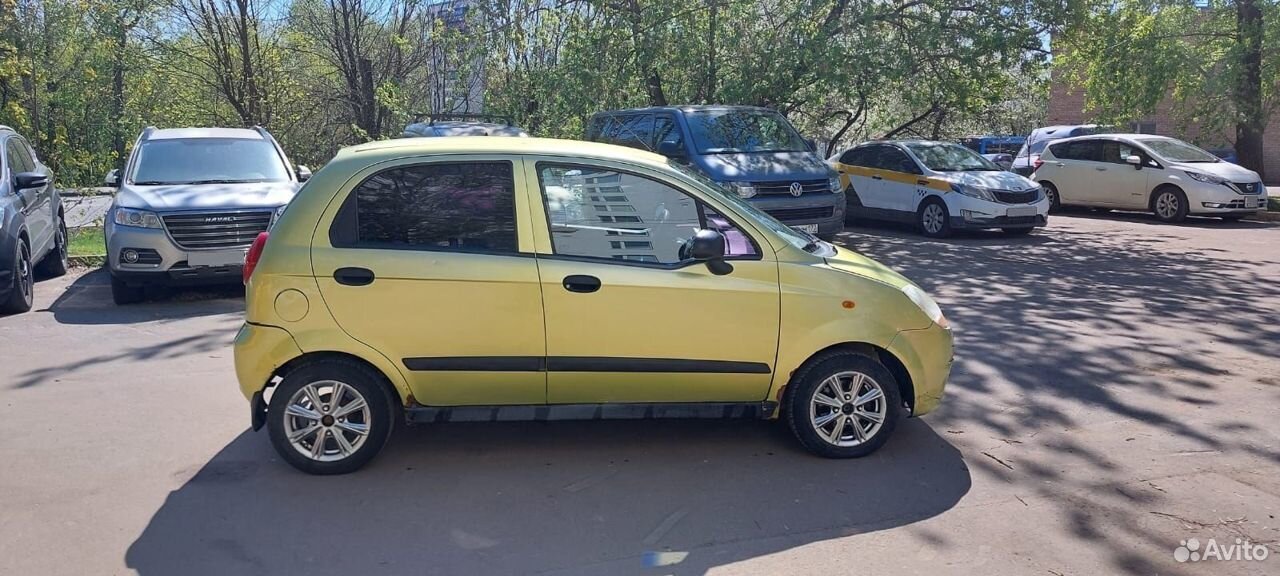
(86, 241)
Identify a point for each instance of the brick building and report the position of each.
(1066, 106)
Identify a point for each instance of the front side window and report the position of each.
(17, 157)
(1116, 152)
(894, 160)
(208, 161)
(658, 221)
(737, 131)
(458, 207)
(941, 157)
(854, 157)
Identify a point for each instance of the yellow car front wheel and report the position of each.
(843, 405)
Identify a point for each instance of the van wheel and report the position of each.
(22, 292)
(1169, 204)
(123, 294)
(56, 262)
(843, 405)
(1051, 192)
(933, 219)
(330, 416)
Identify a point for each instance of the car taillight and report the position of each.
(254, 254)
(1036, 163)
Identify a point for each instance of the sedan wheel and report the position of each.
(933, 219)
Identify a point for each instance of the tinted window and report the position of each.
(634, 131)
(465, 207)
(1090, 150)
(893, 159)
(594, 127)
(855, 157)
(1116, 152)
(651, 225)
(17, 156)
(665, 130)
(208, 160)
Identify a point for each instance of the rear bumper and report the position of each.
(259, 351)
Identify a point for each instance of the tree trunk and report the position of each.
(1250, 120)
(653, 84)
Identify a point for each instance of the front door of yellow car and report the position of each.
(428, 264)
(629, 317)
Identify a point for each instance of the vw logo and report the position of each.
(796, 189)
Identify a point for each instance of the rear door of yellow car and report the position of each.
(628, 318)
(429, 261)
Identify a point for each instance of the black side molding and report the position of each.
(418, 414)
(582, 364)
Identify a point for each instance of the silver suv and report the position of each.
(190, 202)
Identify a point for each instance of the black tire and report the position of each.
(1169, 194)
(1017, 231)
(123, 294)
(383, 411)
(813, 377)
(56, 262)
(22, 292)
(1051, 192)
(927, 226)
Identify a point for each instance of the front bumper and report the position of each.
(969, 213)
(162, 262)
(978, 223)
(824, 210)
(927, 355)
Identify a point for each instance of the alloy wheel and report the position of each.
(848, 408)
(26, 281)
(932, 218)
(1167, 205)
(327, 420)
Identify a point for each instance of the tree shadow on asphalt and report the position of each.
(557, 497)
(1066, 327)
(88, 301)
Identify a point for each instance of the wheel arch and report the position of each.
(1151, 197)
(316, 356)
(892, 363)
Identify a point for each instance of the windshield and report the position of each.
(1177, 150)
(943, 157)
(208, 161)
(737, 131)
(760, 217)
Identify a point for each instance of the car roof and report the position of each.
(501, 145)
(685, 108)
(190, 133)
(903, 142)
(1112, 136)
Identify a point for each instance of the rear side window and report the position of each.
(892, 159)
(855, 157)
(1090, 150)
(457, 207)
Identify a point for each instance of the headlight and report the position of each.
(834, 184)
(926, 304)
(1206, 178)
(136, 218)
(974, 192)
(743, 190)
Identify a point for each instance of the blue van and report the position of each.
(1025, 162)
(752, 152)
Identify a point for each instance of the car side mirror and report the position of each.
(708, 246)
(113, 178)
(671, 149)
(1135, 160)
(29, 180)
(303, 173)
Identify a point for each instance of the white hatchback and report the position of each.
(938, 186)
(1145, 172)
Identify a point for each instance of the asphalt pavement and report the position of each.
(1114, 395)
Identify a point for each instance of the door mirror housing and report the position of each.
(708, 246)
(113, 178)
(1134, 160)
(671, 149)
(29, 180)
(303, 173)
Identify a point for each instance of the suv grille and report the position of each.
(785, 214)
(784, 187)
(216, 229)
(1011, 197)
(1249, 187)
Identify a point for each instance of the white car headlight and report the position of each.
(926, 304)
(136, 218)
(974, 192)
(742, 189)
(1206, 178)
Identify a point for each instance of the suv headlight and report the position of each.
(974, 192)
(834, 184)
(136, 218)
(926, 304)
(742, 189)
(1206, 178)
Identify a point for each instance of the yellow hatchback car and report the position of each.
(493, 279)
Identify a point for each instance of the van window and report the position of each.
(665, 130)
(458, 206)
(664, 219)
(734, 131)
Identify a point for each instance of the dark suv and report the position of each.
(752, 152)
(31, 225)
